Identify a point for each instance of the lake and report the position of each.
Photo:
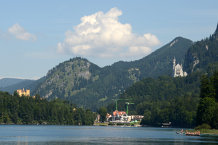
(66, 135)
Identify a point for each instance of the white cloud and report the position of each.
(102, 35)
(20, 33)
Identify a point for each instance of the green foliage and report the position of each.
(207, 89)
(175, 100)
(215, 84)
(26, 110)
(103, 112)
(208, 105)
(203, 126)
(214, 123)
(164, 99)
(160, 62)
(206, 110)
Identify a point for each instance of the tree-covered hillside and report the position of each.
(163, 99)
(26, 110)
(160, 62)
(207, 112)
(90, 86)
(68, 79)
(167, 99)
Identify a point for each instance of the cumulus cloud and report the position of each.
(102, 35)
(20, 33)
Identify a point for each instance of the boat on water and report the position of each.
(166, 125)
(189, 133)
(195, 133)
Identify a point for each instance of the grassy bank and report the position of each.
(101, 124)
(136, 124)
(205, 131)
(209, 131)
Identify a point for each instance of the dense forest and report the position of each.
(186, 102)
(207, 112)
(176, 100)
(27, 110)
(164, 99)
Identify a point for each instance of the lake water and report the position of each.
(67, 135)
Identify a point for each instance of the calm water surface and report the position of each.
(66, 135)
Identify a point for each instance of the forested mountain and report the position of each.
(90, 86)
(208, 105)
(168, 99)
(160, 62)
(163, 99)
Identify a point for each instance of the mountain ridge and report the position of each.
(91, 86)
(176, 100)
(5, 82)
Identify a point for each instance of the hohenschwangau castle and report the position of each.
(177, 70)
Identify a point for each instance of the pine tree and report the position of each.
(207, 89)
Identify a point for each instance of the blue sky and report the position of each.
(38, 35)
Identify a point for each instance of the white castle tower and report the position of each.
(178, 70)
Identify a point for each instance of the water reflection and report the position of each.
(67, 135)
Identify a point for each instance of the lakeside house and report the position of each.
(122, 117)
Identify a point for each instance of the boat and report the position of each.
(166, 125)
(195, 133)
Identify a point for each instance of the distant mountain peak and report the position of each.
(78, 58)
(178, 40)
(179, 37)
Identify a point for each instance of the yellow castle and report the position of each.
(22, 92)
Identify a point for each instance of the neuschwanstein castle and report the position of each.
(177, 70)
